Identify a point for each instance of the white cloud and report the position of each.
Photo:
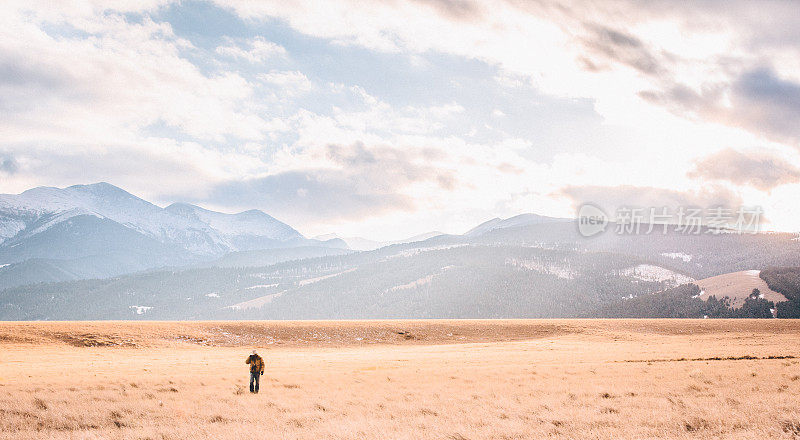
(91, 96)
(122, 77)
(257, 50)
(289, 81)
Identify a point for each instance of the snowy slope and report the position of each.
(248, 223)
(53, 205)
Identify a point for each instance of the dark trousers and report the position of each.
(254, 379)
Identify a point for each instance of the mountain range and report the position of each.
(100, 230)
(99, 252)
(52, 234)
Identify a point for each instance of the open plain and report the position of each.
(504, 379)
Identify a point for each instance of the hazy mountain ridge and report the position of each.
(365, 244)
(513, 222)
(446, 276)
(400, 280)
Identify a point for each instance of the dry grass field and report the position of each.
(569, 379)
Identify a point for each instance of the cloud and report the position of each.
(174, 168)
(763, 101)
(289, 81)
(359, 181)
(760, 170)
(455, 9)
(258, 50)
(605, 44)
(8, 165)
(16, 71)
(385, 166)
(313, 194)
(686, 56)
(111, 77)
(375, 115)
(611, 198)
(757, 100)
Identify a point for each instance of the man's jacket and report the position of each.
(256, 363)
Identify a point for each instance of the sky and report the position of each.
(390, 118)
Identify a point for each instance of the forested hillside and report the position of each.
(684, 302)
(785, 280)
(401, 281)
(397, 281)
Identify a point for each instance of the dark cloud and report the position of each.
(313, 193)
(759, 24)
(682, 97)
(598, 27)
(370, 180)
(608, 45)
(610, 198)
(8, 165)
(455, 9)
(760, 102)
(757, 169)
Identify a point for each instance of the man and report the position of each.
(256, 370)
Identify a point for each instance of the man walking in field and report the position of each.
(256, 370)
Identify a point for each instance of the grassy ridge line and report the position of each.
(715, 358)
(297, 334)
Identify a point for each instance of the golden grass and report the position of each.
(437, 380)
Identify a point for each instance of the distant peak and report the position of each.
(183, 207)
(325, 237)
(101, 189)
(180, 206)
(253, 213)
(41, 189)
(97, 186)
(515, 221)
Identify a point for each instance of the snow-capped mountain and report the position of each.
(239, 232)
(100, 230)
(197, 230)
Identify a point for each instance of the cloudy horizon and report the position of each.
(398, 118)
